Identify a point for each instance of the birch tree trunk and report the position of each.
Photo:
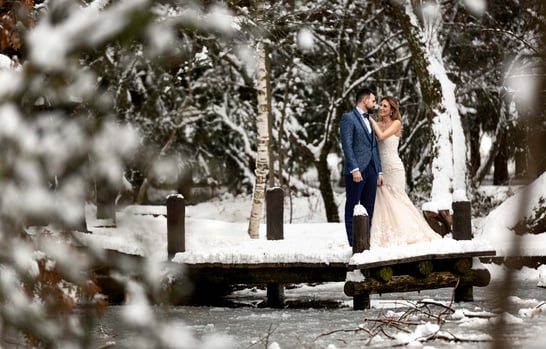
(262, 145)
(449, 145)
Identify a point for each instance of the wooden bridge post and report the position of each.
(361, 233)
(81, 224)
(274, 220)
(361, 242)
(462, 226)
(274, 199)
(106, 200)
(176, 219)
(462, 230)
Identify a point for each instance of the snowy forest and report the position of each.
(120, 102)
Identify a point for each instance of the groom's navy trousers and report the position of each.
(362, 192)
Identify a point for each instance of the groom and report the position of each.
(362, 166)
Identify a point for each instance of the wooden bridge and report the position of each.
(431, 271)
(362, 272)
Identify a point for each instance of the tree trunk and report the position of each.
(497, 138)
(262, 146)
(280, 150)
(500, 174)
(438, 94)
(475, 156)
(141, 196)
(270, 122)
(326, 190)
(521, 163)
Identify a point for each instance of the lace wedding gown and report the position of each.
(396, 221)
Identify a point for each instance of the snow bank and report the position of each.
(497, 227)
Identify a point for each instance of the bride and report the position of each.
(396, 221)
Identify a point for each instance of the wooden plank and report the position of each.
(406, 283)
(422, 269)
(281, 275)
(432, 256)
(264, 265)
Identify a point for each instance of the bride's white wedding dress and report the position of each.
(396, 221)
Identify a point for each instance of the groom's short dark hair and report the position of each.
(365, 91)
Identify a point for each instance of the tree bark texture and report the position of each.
(500, 174)
(326, 190)
(262, 147)
(270, 120)
(430, 87)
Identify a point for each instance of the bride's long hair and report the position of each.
(395, 107)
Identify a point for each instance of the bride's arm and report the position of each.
(393, 129)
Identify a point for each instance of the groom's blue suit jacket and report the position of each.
(359, 146)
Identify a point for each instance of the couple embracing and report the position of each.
(375, 176)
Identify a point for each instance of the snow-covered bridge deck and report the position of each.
(444, 263)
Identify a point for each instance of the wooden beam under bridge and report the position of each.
(283, 273)
(407, 283)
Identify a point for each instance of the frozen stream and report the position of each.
(321, 317)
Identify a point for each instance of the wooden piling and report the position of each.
(274, 199)
(361, 233)
(462, 230)
(361, 242)
(78, 225)
(106, 201)
(81, 224)
(275, 295)
(462, 226)
(176, 219)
